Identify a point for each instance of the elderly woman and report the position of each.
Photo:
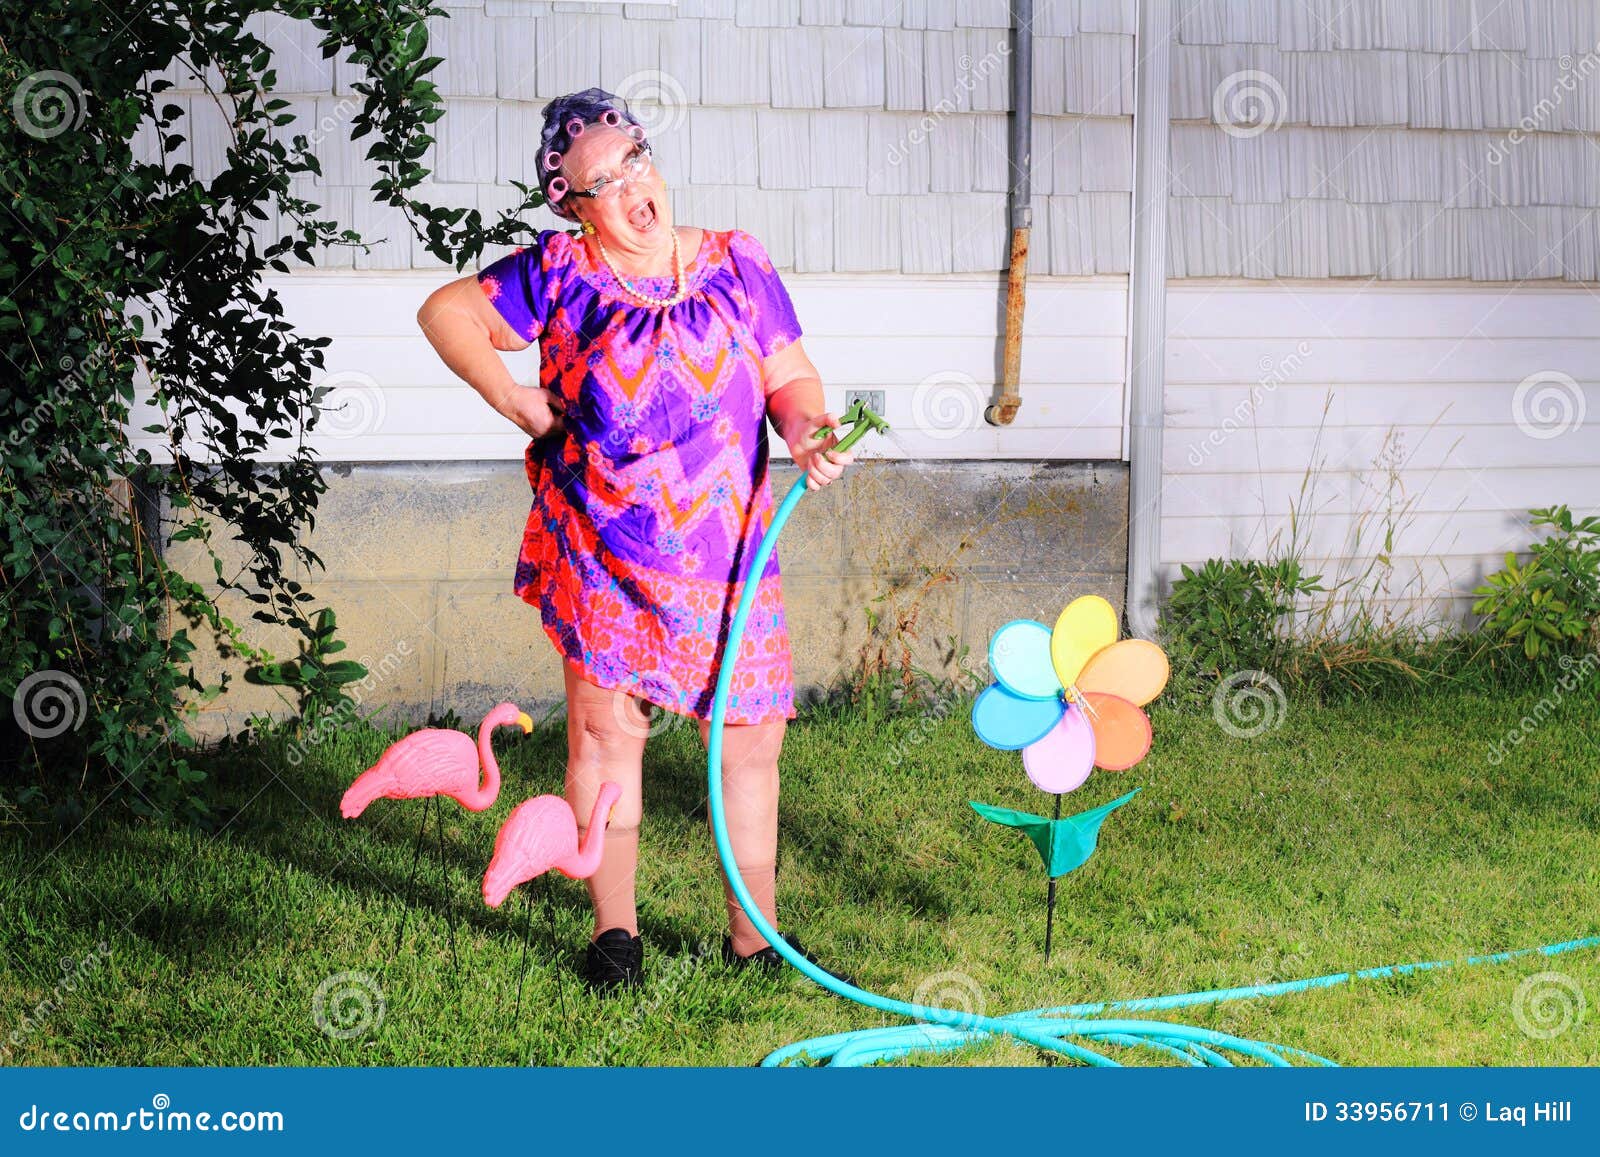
(663, 350)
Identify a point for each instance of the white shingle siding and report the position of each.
(1457, 115)
(1408, 110)
(839, 151)
(896, 161)
(852, 63)
(465, 143)
(784, 148)
(296, 56)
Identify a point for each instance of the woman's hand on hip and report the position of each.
(535, 410)
(817, 456)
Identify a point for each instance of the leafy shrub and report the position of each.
(1550, 605)
(93, 651)
(1236, 614)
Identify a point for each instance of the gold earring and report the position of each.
(588, 226)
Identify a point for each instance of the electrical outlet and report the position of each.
(873, 399)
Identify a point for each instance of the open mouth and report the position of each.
(643, 216)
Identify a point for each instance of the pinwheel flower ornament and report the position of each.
(1070, 698)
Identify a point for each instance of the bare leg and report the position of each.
(606, 731)
(750, 798)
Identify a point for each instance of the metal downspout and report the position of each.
(1005, 407)
(1147, 335)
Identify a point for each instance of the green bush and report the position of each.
(1236, 614)
(1549, 606)
(95, 647)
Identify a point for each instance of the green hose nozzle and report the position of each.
(860, 419)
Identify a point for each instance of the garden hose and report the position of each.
(945, 1029)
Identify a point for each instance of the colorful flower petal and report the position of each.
(1122, 731)
(1019, 657)
(1135, 669)
(1009, 721)
(1064, 758)
(1087, 624)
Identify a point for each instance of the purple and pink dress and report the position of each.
(649, 506)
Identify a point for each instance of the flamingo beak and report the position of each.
(524, 722)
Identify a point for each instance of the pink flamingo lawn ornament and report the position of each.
(542, 833)
(429, 763)
(437, 761)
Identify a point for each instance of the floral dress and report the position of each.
(648, 507)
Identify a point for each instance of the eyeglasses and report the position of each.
(634, 167)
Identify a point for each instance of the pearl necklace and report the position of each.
(678, 295)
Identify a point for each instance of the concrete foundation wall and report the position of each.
(419, 556)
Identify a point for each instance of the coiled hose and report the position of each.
(1066, 1030)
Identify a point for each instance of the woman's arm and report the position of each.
(466, 330)
(795, 405)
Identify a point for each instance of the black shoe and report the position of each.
(613, 960)
(768, 959)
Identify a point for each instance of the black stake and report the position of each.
(527, 935)
(1050, 901)
(411, 881)
(444, 878)
(555, 946)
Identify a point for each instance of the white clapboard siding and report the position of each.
(931, 344)
(1452, 410)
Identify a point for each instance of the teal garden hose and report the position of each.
(1067, 1030)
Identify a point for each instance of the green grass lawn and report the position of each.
(1349, 837)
